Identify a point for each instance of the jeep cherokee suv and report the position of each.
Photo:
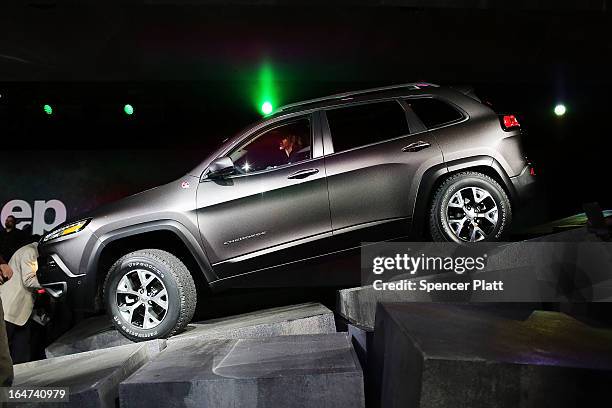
(314, 178)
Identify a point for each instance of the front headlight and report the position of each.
(68, 229)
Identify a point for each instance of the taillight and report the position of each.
(41, 291)
(510, 122)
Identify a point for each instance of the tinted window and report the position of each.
(285, 144)
(433, 112)
(360, 125)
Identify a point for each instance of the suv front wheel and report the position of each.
(469, 207)
(149, 294)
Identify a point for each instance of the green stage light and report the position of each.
(48, 109)
(128, 109)
(265, 94)
(267, 108)
(560, 110)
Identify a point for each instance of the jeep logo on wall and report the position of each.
(43, 216)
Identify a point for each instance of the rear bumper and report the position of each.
(525, 184)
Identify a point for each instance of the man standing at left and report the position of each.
(6, 364)
(18, 300)
(11, 239)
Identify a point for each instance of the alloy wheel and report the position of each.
(142, 299)
(471, 214)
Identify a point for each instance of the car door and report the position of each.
(374, 165)
(275, 205)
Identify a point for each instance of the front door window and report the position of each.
(286, 144)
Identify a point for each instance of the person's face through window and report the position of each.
(287, 144)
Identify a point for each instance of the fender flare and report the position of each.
(432, 175)
(173, 226)
(178, 229)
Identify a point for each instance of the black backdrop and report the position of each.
(85, 164)
(189, 70)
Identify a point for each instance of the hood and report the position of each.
(162, 202)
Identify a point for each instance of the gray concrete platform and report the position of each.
(450, 355)
(91, 334)
(358, 305)
(571, 266)
(317, 371)
(92, 377)
(308, 318)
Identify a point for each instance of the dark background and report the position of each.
(191, 70)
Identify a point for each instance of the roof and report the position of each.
(303, 104)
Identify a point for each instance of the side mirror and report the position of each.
(221, 167)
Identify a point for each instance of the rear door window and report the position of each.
(360, 125)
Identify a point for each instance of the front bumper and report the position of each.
(55, 277)
(64, 269)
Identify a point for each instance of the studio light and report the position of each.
(266, 92)
(267, 108)
(560, 109)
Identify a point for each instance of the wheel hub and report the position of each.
(142, 299)
(471, 214)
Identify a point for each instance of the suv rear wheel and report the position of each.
(149, 294)
(469, 207)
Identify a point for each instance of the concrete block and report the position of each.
(531, 273)
(91, 334)
(92, 377)
(316, 371)
(449, 355)
(571, 266)
(361, 338)
(358, 305)
(308, 318)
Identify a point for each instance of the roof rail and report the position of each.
(412, 86)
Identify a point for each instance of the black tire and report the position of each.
(163, 268)
(438, 221)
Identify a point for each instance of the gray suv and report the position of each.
(314, 178)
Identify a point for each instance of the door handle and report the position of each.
(300, 174)
(416, 146)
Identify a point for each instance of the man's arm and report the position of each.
(29, 267)
(27, 263)
(6, 272)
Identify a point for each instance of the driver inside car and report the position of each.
(293, 149)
